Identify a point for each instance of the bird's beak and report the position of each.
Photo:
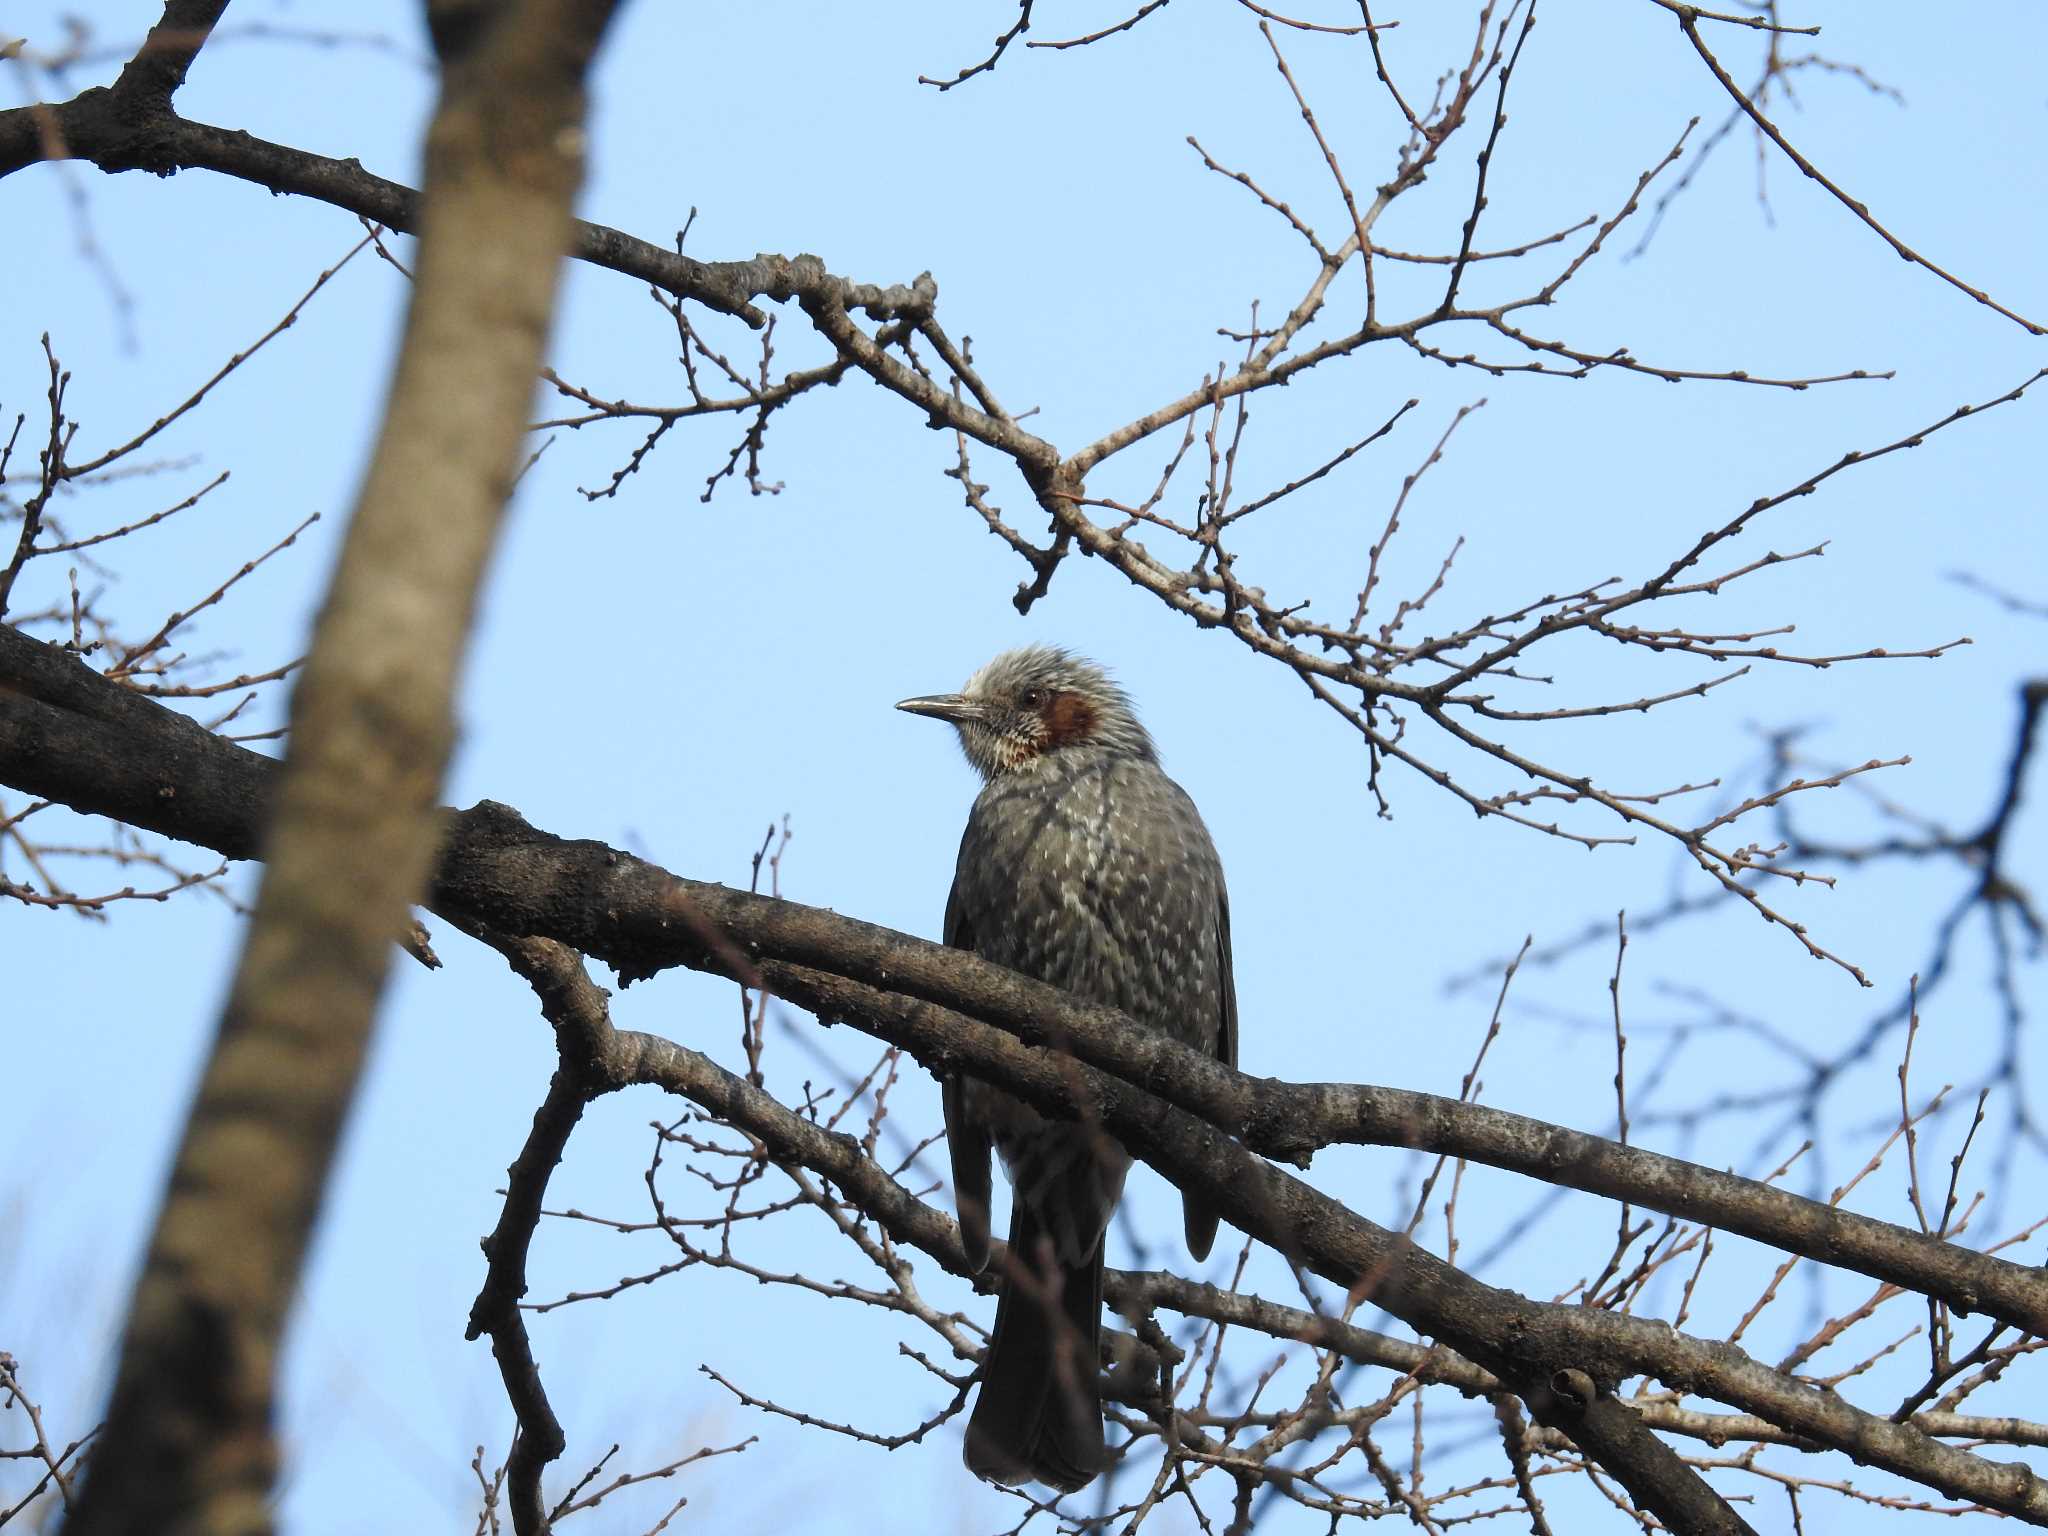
(956, 707)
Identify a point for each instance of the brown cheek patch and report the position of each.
(1068, 718)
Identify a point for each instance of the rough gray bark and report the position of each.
(188, 1445)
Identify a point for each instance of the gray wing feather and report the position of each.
(1199, 1220)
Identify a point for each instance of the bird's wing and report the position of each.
(1199, 1219)
(1226, 981)
(967, 1141)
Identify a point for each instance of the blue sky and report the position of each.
(673, 676)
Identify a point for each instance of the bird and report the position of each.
(1082, 865)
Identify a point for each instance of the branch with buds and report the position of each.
(1465, 681)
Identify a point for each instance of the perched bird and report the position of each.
(1085, 866)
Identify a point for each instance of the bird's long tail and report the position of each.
(1038, 1416)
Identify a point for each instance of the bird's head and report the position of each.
(1032, 705)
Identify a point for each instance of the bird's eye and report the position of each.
(1032, 698)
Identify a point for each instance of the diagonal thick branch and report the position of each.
(597, 1059)
(640, 920)
(69, 735)
(100, 748)
(1543, 1350)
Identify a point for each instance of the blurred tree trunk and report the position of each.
(189, 1443)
